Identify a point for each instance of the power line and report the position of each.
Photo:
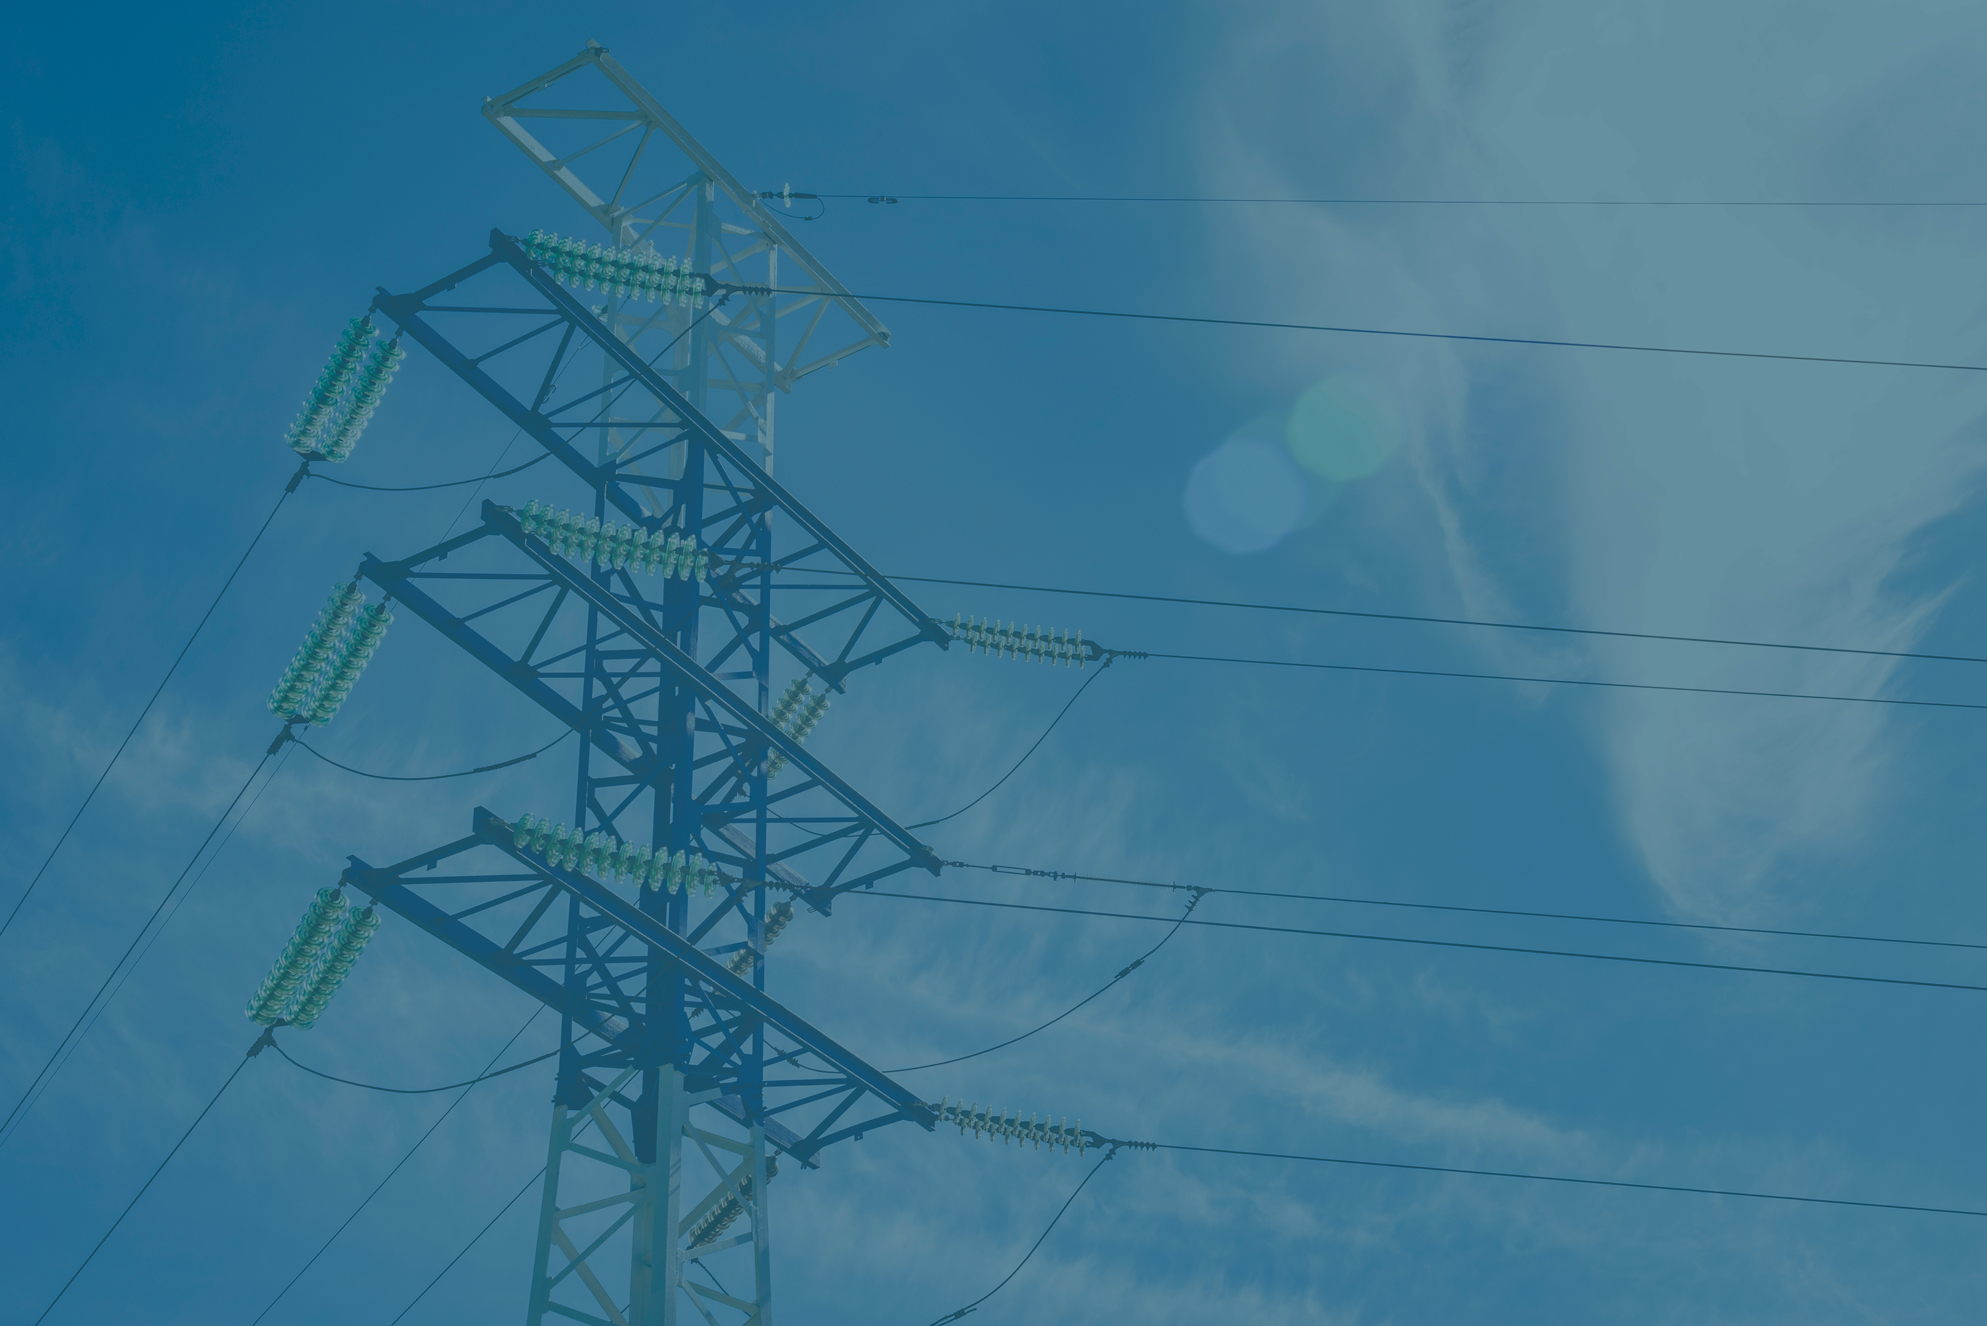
(430, 778)
(467, 1087)
(1128, 969)
(1054, 1220)
(152, 937)
(1408, 335)
(1435, 943)
(1024, 755)
(147, 1185)
(21, 1104)
(430, 487)
(1555, 1178)
(1442, 621)
(887, 197)
(1024, 871)
(157, 691)
(421, 1091)
(478, 1236)
(1567, 681)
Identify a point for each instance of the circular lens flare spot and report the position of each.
(1343, 428)
(1245, 495)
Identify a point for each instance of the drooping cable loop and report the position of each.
(642, 273)
(615, 546)
(432, 778)
(1193, 901)
(605, 855)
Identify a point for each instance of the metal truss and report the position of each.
(603, 657)
(681, 1086)
(718, 492)
(602, 138)
(657, 1026)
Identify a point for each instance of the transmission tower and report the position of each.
(655, 619)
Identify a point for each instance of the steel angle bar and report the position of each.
(729, 996)
(753, 490)
(406, 310)
(699, 681)
(388, 887)
(505, 113)
(773, 494)
(706, 971)
(398, 580)
(608, 726)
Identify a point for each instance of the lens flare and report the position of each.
(1343, 428)
(1245, 495)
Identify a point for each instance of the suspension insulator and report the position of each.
(366, 393)
(796, 715)
(1012, 1127)
(291, 698)
(776, 921)
(333, 965)
(616, 547)
(354, 652)
(294, 964)
(789, 702)
(602, 855)
(809, 717)
(330, 386)
(639, 273)
(720, 1217)
(1035, 644)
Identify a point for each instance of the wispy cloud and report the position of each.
(1637, 492)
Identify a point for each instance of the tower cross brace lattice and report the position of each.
(681, 1084)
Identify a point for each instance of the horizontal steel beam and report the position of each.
(702, 683)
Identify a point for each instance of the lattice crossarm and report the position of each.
(505, 113)
(680, 953)
(391, 887)
(706, 687)
(713, 438)
(405, 311)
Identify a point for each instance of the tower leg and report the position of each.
(569, 1235)
(656, 1269)
(704, 1257)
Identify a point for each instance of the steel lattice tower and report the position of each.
(681, 1086)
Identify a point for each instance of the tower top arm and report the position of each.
(619, 130)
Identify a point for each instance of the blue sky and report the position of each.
(196, 203)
